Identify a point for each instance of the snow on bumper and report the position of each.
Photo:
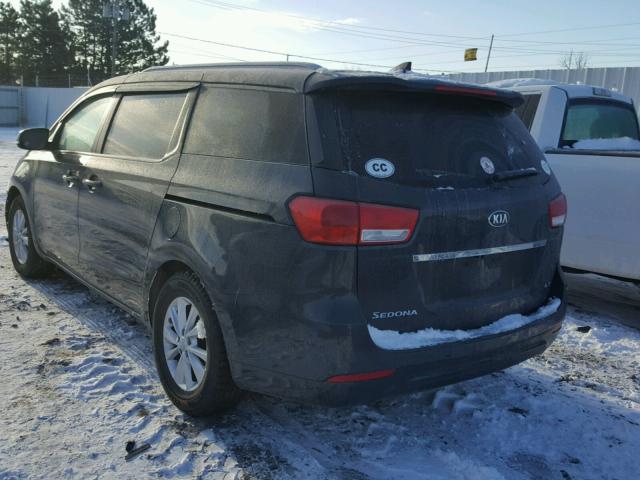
(414, 370)
(393, 340)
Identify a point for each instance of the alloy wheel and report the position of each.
(20, 237)
(185, 344)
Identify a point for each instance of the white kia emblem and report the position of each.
(380, 168)
(487, 165)
(498, 218)
(545, 166)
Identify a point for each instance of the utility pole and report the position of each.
(114, 38)
(6, 55)
(115, 10)
(486, 66)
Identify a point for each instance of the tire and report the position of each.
(26, 260)
(213, 390)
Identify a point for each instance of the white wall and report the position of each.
(9, 106)
(625, 80)
(41, 106)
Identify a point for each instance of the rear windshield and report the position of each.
(588, 119)
(432, 140)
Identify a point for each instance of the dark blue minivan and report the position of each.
(323, 236)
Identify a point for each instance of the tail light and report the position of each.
(338, 222)
(380, 224)
(466, 90)
(361, 377)
(558, 211)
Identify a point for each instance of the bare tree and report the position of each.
(574, 60)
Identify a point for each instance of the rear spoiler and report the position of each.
(320, 82)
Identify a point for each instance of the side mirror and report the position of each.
(34, 139)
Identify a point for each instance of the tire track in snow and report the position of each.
(133, 341)
(97, 376)
(124, 332)
(301, 442)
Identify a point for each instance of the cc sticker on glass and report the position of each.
(379, 168)
(487, 165)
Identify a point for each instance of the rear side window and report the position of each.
(144, 125)
(598, 119)
(527, 111)
(248, 124)
(80, 129)
(432, 139)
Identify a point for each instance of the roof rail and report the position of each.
(206, 66)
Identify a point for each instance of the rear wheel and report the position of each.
(24, 256)
(189, 348)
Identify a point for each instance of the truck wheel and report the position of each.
(24, 256)
(189, 349)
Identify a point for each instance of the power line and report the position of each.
(539, 67)
(210, 55)
(602, 42)
(235, 6)
(409, 42)
(413, 45)
(448, 52)
(412, 55)
(333, 60)
(367, 50)
(285, 54)
(595, 53)
(571, 29)
(336, 25)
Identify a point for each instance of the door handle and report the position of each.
(70, 177)
(91, 183)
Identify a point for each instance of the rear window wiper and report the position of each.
(511, 174)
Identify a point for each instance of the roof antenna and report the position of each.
(404, 67)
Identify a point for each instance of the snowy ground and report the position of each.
(78, 381)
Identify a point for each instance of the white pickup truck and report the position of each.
(591, 139)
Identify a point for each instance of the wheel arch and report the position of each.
(159, 271)
(12, 194)
(158, 279)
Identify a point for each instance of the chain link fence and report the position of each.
(62, 80)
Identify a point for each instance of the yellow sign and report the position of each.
(470, 54)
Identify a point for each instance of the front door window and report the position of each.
(82, 126)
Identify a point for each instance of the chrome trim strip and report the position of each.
(434, 257)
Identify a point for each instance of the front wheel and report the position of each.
(189, 349)
(24, 256)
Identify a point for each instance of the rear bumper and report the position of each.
(414, 370)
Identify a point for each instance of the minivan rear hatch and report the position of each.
(480, 250)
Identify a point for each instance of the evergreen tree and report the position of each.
(44, 45)
(9, 42)
(138, 43)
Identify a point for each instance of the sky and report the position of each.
(377, 34)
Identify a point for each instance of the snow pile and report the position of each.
(520, 82)
(392, 340)
(621, 143)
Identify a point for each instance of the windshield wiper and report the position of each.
(511, 174)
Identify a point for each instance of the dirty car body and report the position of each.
(259, 179)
